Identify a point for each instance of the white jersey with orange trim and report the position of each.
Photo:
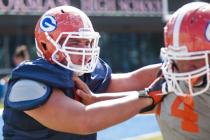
(185, 118)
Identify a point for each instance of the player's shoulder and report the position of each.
(102, 71)
(102, 67)
(39, 62)
(27, 94)
(43, 71)
(100, 78)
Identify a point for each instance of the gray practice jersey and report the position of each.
(185, 118)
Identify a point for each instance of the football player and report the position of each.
(184, 115)
(40, 102)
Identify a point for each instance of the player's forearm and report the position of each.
(108, 96)
(136, 80)
(67, 115)
(144, 76)
(107, 113)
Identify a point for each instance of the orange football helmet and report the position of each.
(187, 37)
(56, 28)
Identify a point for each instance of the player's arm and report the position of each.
(61, 113)
(157, 91)
(53, 109)
(89, 97)
(136, 80)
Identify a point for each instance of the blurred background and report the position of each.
(131, 30)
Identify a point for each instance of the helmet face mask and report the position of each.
(65, 45)
(187, 50)
(186, 73)
(61, 35)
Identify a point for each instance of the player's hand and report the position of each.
(83, 92)
(157, 91)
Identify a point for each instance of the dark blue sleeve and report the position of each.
(42, 71)
(39, 70)
(98, 81)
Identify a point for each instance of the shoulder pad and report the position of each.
(27, 94)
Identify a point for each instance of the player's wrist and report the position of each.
(148, 101)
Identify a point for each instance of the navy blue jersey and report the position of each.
(19, 126)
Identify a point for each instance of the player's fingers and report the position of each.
(85, 98)
(80, 84)
(82, 93)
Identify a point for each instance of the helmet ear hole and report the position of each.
(44, 46)
(62, 11)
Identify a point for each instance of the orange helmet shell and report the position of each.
(189, 27)
(54, 22)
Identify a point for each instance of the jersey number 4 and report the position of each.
(189, 117)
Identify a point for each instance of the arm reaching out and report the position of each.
(154, 91)
(88, 97)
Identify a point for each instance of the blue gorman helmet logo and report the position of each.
(48, 24)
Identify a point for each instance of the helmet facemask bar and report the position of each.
(84, 67)
(183, 83)
(88, 51)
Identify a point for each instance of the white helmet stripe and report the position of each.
(180, 16)
(177, 27)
